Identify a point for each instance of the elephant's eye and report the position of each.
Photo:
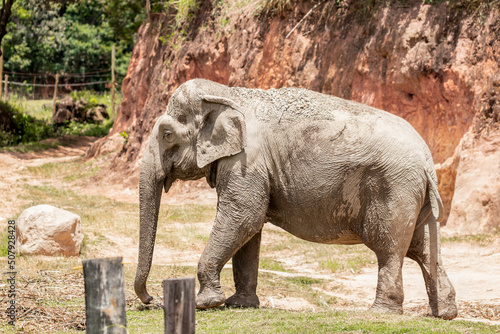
(167, 135)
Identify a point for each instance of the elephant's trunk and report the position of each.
(150, 189)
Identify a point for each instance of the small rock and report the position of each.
(47, 230)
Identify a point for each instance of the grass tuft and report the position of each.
(270, 264)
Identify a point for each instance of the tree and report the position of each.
(4, 18)
(71, 36)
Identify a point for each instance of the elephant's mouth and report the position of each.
(167, 184)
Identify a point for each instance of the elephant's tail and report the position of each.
(433, 194)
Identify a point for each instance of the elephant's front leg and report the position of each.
(239, 219)
(245, 272)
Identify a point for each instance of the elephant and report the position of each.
(325, 169)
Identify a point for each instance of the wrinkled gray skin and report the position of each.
(324, 169)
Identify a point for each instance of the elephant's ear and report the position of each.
(223, 132)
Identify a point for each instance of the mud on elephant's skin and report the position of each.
(324, 169)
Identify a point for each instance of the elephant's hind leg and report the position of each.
(389, 296)
(245, 272)
(425, 249)
(389, 239)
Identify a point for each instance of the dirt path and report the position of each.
(13, 163)
(473, 269)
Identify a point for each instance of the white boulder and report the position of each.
(47, 230)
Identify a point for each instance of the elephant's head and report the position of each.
(200, 126)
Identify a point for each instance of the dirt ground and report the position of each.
(473, 268)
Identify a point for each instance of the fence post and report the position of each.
(6, 87)
(113, 82)
(180, 306)
(55, 95)
(34, 86)
(1, 71)
(104, 296)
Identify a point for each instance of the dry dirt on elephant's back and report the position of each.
(473, 264)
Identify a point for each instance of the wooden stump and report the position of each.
(104, 296)
(179, 305)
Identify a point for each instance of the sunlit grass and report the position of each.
(40, 109)
(271, 264)
(67, 171)
(477, 239)
(30, 147)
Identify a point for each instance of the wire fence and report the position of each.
(50, 85)
(41, 85)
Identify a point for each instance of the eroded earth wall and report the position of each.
(437, 66)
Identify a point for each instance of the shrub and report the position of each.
(17, 127)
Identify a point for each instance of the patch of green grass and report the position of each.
(331, 264)
(477, 239)
(39, 109)
(270, 264)
(304, 281)
(189, 213)
(334, 258)
(30, 147)
(145, 321)
(281, 321)
(202, 237)
(351, 259)
(67, 171)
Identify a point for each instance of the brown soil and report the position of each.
(474, 269)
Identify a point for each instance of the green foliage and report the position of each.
(178, 28)
(87, 129)
(71, 37)
(28, 132)
(26, 127)
(125, 18)
(124, 135)
(185, 11)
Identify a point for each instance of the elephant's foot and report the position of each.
(239, 300)
(446, 310)
(209, 298)
(387, 308)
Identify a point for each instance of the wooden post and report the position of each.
(148, 8)
(113, 82)
(55, 95)
(34, 83)
(6, 92)
(1, 71)
(104, 296)
(180, 306)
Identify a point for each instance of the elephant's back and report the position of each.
(291, 105)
